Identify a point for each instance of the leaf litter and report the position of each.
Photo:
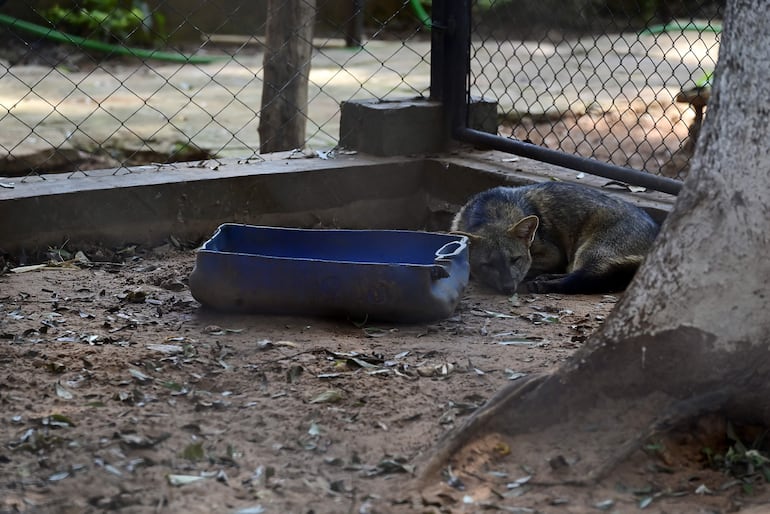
(252, 411)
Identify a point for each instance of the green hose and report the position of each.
(104, 47)
(676, 26)
(419, 10)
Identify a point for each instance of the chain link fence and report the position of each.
(88, 84)
(621, 81)
(114, 83)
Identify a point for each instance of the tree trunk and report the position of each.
(286, 70)
(690, 334)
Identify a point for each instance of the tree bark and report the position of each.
(286, 66)
(690, 334)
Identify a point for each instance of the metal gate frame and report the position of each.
(450, 84)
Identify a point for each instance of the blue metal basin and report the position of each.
(393, 275)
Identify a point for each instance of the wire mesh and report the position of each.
(118, 83)
(599, 79)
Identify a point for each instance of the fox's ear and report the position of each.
(473, 238)
(525, 229)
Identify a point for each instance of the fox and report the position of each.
(554, 237)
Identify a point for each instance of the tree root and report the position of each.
(577, 425)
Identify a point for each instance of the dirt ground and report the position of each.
(119, 393)
(650, 137)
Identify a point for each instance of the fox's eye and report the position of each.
(513, 261)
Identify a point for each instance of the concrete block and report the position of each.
(405, 127)
(388, 128)
(482, 115)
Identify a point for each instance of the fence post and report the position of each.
(450, 60)
(457, 65)
(286, 66)
(437, 48)
(354, 33)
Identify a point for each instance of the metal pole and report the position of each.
(575, 162)
(437, 49)
(354, 34)
(457, 64)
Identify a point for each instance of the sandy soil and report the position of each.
(653, 137)
(119, 393)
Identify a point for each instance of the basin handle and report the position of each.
(452, 248)
(444, 257)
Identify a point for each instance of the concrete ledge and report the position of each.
(150, 204)
(188, 201)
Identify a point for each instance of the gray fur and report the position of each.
(554, 237)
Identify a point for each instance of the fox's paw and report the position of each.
(533, 286)
(546, 283)
(541, 286)
(545, 277)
